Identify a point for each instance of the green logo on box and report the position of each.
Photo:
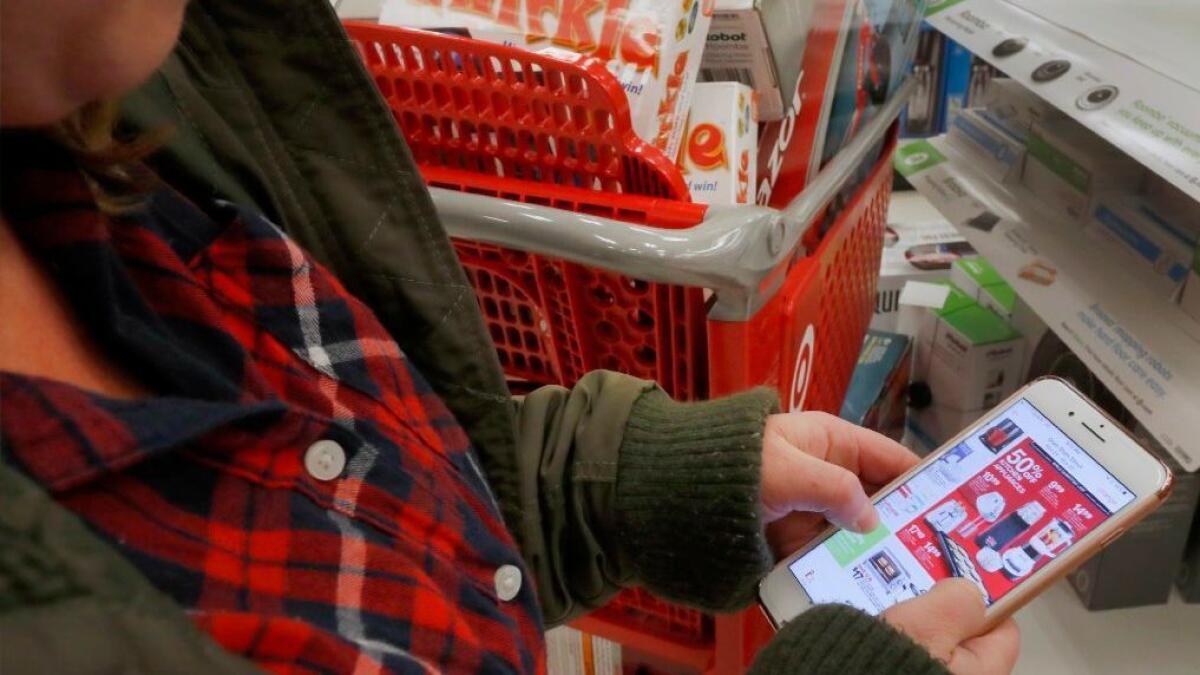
(847, 546)
(915, 157)
(936, 6)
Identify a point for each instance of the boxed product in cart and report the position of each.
(969, 358)
(719, 156)
(1067, 166)
(652, 47)
(759, 43)
(1140, 567)
(996, 151)
(913, 250)
(1162, 243)
(877, 397)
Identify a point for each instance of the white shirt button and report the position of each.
(325, 460)
(508, 582)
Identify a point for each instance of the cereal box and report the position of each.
(653, 47)
(718, 157)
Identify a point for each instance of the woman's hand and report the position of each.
(948, 621)
(819, 469)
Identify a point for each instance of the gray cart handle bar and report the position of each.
(731, 251)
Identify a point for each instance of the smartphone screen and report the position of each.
(1016, 494)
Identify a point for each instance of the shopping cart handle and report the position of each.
(732, 251)
(729, 251)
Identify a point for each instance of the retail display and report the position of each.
(719, 155)
(914, 250)
(976, 277)
(921, 116)
(653, 48)
(1140, 567)
(1067, 167)
(1161, 242)
(877, 396)
(759, 43)
(1001, 155)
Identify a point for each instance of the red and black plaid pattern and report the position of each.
(254, 353)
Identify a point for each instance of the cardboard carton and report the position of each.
(720, 150)
(1067, 166)
(759, 43)
(1160, 243)
(978, 279)
(996, 151)
(878, 393)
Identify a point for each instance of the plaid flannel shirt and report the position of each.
(255, 353)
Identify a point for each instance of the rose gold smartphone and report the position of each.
(1012, 504)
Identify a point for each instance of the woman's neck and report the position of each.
(39, 333)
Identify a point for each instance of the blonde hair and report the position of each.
(113, 167)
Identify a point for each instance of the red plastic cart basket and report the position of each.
(585, 252)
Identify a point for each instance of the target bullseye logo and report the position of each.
(802, 373)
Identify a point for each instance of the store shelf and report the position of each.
(1146, 51)
(1058, 635)
(1140, 345)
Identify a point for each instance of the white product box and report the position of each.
(1009, 105)
(1162, 243)
(969, 358)
(759, 43)
(920, 249)
(978, 279)
(651, 46)
(1066, 166)
(719, 157)
(997, 151)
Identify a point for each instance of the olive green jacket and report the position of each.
(606, 485)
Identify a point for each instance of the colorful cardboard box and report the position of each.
(759, 43)
(653, 48)
(878, 394)
(719, 156)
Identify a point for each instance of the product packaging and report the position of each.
(789, 149)
(913, 250)
(920, 118)
(759, 43)
(1160, 243)
(876, 60)
(1010, 106)
(720, 150)
(573, 652)
(968, 357)
(998, 153)
(878, 392)
(976, 277)
(652, 47)
(1140, 567)
(1067, 166)
(1190, 299)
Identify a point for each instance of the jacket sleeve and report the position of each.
(840, 640)
(620, 485)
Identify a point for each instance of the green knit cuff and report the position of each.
(688, 497)
(841, 640)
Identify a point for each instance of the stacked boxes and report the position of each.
(719, 155)
(998, 151)
(1067, 166)
(652, 47)
(977, 278)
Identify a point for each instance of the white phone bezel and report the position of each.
(783, 598)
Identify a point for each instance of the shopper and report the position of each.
(209, 440)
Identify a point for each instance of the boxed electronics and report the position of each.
(652, 47)
(1067, 166)
(976, 277)
(920, 118)
(1014, 108)
(877, 397)
(719, 155)
(969, 358)
(1140, 567)
(1160, 241)
(759, 43)
(996, 151)
(913, 251)
(573, 652)
(967, 79)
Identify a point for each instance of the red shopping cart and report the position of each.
(586, 252)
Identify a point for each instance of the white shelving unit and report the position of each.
(1146, 52)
